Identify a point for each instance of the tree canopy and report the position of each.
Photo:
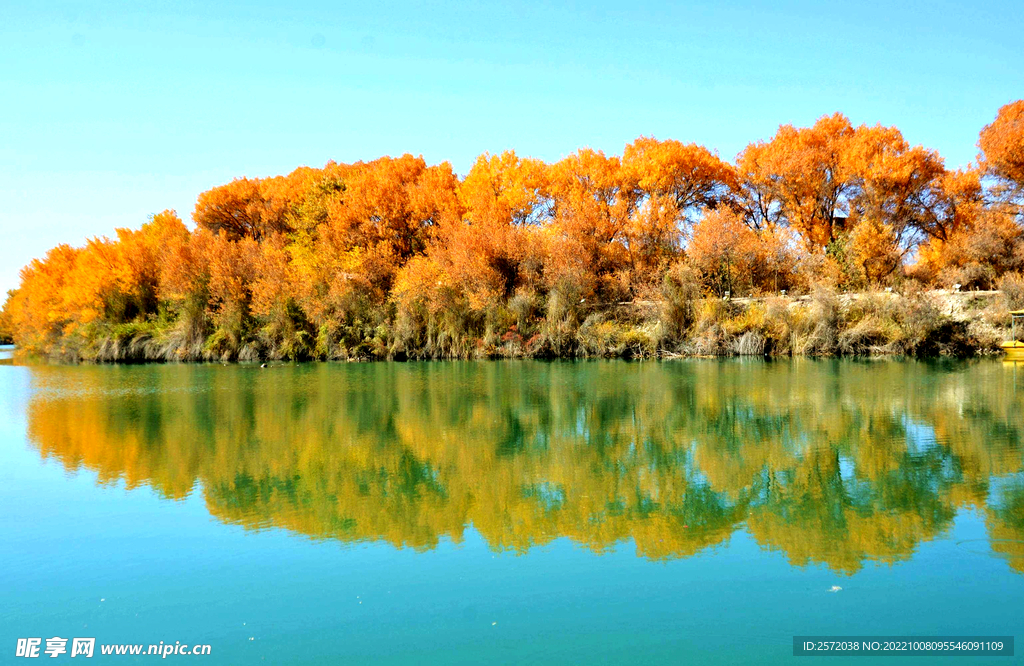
(399, 256)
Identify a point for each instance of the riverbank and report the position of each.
(823, 323)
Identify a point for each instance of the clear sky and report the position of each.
(111, 111)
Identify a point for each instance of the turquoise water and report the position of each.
(522, 512)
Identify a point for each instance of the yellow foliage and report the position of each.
(327, 253)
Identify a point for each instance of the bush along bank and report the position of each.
(824, 323)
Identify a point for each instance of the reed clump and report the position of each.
(683, 322)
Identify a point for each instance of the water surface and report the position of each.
(511, 512)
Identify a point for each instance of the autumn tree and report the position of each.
(395, 256)
(1002, 149)
(974, 233)
(978, 254)
(593, 202)
(185, 279)
(801, 177)
(863, 195)
(208, 280)
(283, 325)
(733, 257)
(875, 249)
(493, 248)
(36, 309)
(892, 195)
(671, 182)
(250, 208)
(381, 217)
(956, 200)
(7, 328)
(130, 264)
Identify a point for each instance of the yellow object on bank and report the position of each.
(1014, 348)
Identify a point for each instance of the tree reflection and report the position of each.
(832, 462)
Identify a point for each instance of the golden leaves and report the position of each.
(1002, 144)
(310, 250)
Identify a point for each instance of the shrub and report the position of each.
(680, 292)
(1012, 286)
(751, 343)
(823, 322)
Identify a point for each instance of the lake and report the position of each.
(697, 511)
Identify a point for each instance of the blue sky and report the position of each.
(111, 112)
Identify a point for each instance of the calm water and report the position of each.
(598, 512)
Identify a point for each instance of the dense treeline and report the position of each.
(831, 462)
(396, 258)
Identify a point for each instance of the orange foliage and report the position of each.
(893, 183)
(724, 248)
(957, 201)
(1002, 145)
(589, 236)
(107, 281)
(36, 309)
(333, 261)
(875, 248)
(247, 208)
(672, 181)
(493, 248)
(976, 255)
(380, 218)
(802, 176)
(733, 257)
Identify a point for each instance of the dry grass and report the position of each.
(823, 323)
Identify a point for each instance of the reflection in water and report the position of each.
(830, 462)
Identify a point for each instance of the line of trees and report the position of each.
(396, 257)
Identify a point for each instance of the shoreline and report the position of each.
(924, 324)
